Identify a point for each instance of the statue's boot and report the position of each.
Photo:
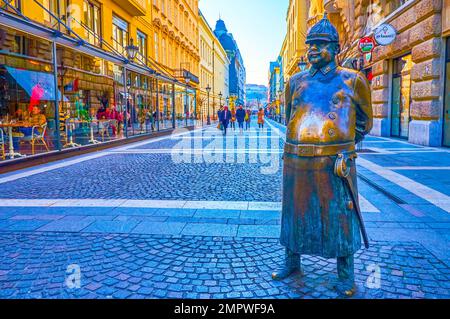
(292, 265)
(345, 285)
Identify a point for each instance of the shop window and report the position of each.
(137, 81)
(26, 109)
(92, 21)
(24, 46)
(118, 73)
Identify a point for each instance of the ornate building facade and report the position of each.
(409, 77)
(214, 70)
(72, 59)
(237, 72)
(294, 44)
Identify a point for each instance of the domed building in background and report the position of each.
(237, 69)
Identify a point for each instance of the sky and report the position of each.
(258, 26)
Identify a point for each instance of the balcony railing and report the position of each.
(183, 74)
(133, 7)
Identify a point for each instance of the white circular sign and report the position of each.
(385, 34)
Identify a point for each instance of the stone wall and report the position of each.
(419, 32)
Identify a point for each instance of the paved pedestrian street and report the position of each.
(197, 215)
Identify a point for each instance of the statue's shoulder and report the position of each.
(298, 77)
(349, 73)
(352, 74)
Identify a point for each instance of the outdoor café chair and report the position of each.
(2, 144)
(37, 138)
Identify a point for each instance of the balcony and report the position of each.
(183, 74)
(133, 7)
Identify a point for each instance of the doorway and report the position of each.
(446, 139)
(401, 96)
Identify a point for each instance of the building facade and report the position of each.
(409, 77)
(214, 70)
(294, 44)
(237, 72)
(176, 50)
(274, 81)
(256, 96)
(66, 68)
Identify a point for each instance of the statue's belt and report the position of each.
(312, 150)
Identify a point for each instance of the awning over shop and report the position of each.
(39, 86)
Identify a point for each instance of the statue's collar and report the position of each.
(325, 70)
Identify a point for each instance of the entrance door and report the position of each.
(446, 141)
(401, 97)
(395, 122)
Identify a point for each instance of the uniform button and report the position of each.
(335, 100)
(331, 132)
(350, 205)
(332, 116)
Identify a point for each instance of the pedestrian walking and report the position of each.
(248, 118)
(240, 117)
(233, 118)
(224, 118)
(261, 118)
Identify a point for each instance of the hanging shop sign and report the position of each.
(73, 86)
(385, 34)
(366, 45)
(367, 57)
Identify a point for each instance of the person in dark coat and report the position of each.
(224, 118)
(240, 116)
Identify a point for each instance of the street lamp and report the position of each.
(132, 50)
(220, 101)
(208, 120)
(302, 64)
(187, 80)
(280, 104)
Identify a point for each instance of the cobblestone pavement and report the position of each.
(131, 266)
(149, 221)
(128, 176)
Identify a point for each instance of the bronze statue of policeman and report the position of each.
(328, 109)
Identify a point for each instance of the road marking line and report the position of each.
(201, 151)
(434, 197)
(399, 152)
(226, 205)
(419, 168)
(366, 206)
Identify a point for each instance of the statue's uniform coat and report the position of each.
(330, 106)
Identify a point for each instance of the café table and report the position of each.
(9, 126)
(69, 132)
(92, 138)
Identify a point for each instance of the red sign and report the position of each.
(366, 44)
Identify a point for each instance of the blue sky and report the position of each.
(258, 26)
